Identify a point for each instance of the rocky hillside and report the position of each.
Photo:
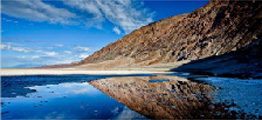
(214, 29)
(243, 63)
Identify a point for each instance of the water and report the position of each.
(129, 97)
(244, 92)
(64, 101)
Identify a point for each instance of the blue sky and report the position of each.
(38, 32)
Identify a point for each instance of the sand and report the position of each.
(71, 71)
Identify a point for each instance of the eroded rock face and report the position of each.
(173, 99)
(217, 28)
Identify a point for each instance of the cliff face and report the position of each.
(215, 29)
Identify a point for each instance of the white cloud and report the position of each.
(58, 45)
(49, 48)
(11, 47)
(125, 13)
(67, 52)
(36, 10)
(32, 41)
(89, 7)
(82, 56)
(8, 20)
(35, 57)
(128, 14)
(21, 57)
(116, 29)
(49, 54)
(81, 48)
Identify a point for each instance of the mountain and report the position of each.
(72, 64)
(243, 63)
(217, 28)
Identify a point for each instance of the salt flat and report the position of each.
(70, 71)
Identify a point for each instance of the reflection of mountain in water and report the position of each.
(177, 98)
(173, 99)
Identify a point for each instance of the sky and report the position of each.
(47, 32)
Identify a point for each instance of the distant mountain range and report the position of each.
(217, 28)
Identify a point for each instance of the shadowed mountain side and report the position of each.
(214, 29)
(173, 98)
(242, 63)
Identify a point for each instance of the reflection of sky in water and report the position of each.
(66, 101)
(245, 93)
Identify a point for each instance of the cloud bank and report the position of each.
(13, 47)
(36, 10)
(127, 14)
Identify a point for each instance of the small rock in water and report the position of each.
(4, 112)
(34, 90)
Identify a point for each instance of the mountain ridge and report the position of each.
(216, 28)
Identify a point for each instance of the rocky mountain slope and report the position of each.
(214, 29)
(243, 63)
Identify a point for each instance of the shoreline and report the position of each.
(121, 71)
(75, 71)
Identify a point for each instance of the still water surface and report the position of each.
(129, 97)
